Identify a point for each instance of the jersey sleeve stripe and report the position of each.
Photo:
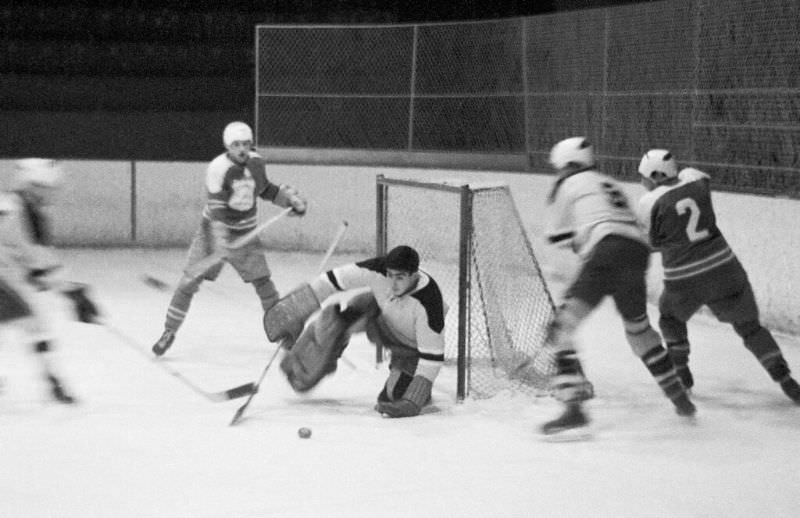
(333, 280)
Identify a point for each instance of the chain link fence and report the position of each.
(716, 82)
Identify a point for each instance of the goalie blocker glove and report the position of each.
(416, 396)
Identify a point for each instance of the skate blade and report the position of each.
(579, 434)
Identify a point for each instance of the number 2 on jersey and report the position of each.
(685, 205)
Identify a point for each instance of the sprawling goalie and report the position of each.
(399, 307)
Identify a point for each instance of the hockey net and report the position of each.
(471, 240)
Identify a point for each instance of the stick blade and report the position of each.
(241, 391)
(238, 415)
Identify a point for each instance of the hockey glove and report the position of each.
(85, 309)
(417, 395)
(288, 196)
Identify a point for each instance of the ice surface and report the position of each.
(141, 444)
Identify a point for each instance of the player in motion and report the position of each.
(234, 180)
(29, 265)
(699, 267)
(590, 213)
(402, 310)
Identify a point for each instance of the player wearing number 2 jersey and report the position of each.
(591, 213)
(699, 267)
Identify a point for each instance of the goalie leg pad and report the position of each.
(318, 348)
(288, 316)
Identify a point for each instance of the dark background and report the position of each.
(158, 80)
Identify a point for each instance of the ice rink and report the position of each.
(142, 444)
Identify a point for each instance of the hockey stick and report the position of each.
(203, 265)
(225, 395)
(240, 411)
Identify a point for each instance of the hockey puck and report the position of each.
(304, 433)
(155, 283)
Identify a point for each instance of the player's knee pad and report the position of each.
(747, 329)
(266, 291)
(673, 329)
(641, 336)
(188, 286)
(760, 342)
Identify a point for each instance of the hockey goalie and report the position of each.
(399, 307)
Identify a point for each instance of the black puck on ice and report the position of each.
(304, 433)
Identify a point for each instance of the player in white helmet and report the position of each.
(700, 269)
(29, 264)
(234, 182)
(590, 213)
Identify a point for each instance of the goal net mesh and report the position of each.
(471, 240)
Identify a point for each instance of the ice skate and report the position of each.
(569, 425)
(792, 389)
(58, 392)
(164, 343)
(684, 406)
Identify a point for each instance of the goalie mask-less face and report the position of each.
(401, 281)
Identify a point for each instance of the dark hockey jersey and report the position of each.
(680, 223)
(232, 189)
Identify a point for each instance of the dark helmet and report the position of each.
(403, 258)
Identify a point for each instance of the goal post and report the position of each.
(471, 240)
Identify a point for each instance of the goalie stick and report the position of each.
(225, 395)
(240, 411)
(237, 417)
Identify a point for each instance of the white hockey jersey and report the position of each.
(415, 319)
(585, 207)
(24, 242)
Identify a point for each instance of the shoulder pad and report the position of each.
(215, 173)
(690, 174)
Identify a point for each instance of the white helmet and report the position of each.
(37, 171)
(575, 151)
(658, 160)
(236, 131)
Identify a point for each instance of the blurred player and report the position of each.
(590, 213)
(234, 181)
(402, 311)
(28, 263)
(699, 267)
